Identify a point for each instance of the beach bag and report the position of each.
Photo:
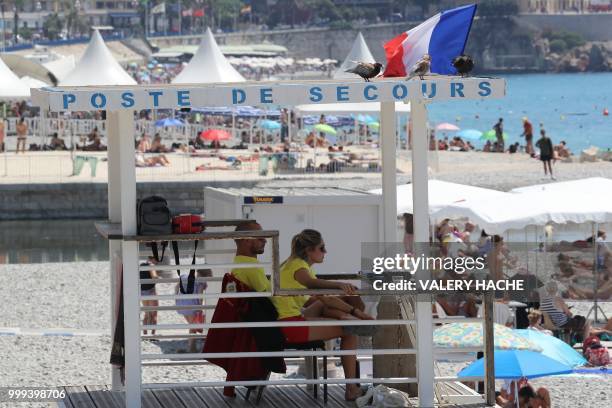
(154, 216)
(598, 355)
(187, 224)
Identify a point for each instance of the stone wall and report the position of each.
(89, 200)
(593, 27)
(310, 42)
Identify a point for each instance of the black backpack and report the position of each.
(154, 216)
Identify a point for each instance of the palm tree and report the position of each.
(17, 7)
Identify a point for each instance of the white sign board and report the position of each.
(287, 93)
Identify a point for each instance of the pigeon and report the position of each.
(366, 70)
(421, 67)
(464, 64)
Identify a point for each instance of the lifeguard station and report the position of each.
(121, 102)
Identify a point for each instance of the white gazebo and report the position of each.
(208, 65)
(121, 101)
(97, 67)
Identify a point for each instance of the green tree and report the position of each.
(52, 26)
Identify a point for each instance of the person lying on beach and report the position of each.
(300, 308)
(152, 161)
(527, 396)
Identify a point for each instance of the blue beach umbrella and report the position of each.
(554, 348)
(516, 364)
(470, 134)
(169, 122)
(269, 124)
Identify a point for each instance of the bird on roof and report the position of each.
(463, 64)
(421, 67)
(366, 70)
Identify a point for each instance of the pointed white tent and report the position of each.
(61, 67)
(208, 65)
(97, 67)
(360, 52)
(11, 87)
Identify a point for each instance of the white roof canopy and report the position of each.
(97, 66)
(11, 87)
(592, 185)
(360, 53)
(537, 206)
(441, 194)
(208, 65)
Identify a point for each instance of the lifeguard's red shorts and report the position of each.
(295, 334)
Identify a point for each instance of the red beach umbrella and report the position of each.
(215, 135)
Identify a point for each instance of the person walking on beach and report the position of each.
(528, 134)
(2, 135)
(499, 134)
(546, 152)
(22, 134)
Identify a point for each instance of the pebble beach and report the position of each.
(75, 296)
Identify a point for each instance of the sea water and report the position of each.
(570, 107)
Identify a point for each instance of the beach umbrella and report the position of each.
(169, 122)
(553, 347)
(490, 135)
(517, 364)
(322, 127)
(470, 134)
(215, 135)
(457, 335)
(374, 125)
(447, 127)
(269, 124)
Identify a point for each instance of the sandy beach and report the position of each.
(490, 170)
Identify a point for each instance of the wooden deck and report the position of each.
(286, 396)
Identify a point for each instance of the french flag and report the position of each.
(443, 37)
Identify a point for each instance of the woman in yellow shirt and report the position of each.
(308, 248)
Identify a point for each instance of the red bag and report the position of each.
(598, 355)
(187, 224)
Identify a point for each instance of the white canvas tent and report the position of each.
(97, 67)
(441, 194)
(208, 65)
(517, 211)
(11, 87)
(61, 67)
(592, 185)
(360, 52)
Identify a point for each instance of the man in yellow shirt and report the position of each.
(247, 251)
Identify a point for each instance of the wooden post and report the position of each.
(124, 123)
(425, 366)
(489, 349)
